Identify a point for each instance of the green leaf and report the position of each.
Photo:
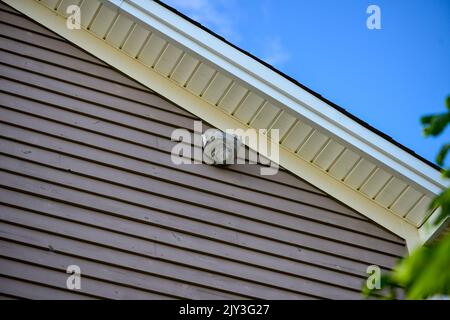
(435, 124)
(442, 154)
(423, 274)
(446, 174)
(426, 119)
(442, 201)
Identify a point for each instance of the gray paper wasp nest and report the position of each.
(219, 148)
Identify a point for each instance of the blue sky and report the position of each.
(388, 77)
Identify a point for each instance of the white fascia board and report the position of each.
(284, 92)
(169, 89)
(429, 230)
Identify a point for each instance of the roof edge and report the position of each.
(304, 87)
(285, 91)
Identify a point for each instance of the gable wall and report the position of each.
(86, 179)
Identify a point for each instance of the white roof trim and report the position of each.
(265, 80)
(284, 91)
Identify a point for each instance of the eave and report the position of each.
(318, 142)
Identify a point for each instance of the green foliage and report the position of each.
(426, 272)
(442, 154)
(443, 201)
(434, 124)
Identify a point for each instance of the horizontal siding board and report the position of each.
(188, 210)
(348, 281)
(14, 19)
(175, 256)
(191, 242)
(196, 177)
(42, 54)
(86, 177)
(70, 201)
(138, 262)
(136, 116)
(112, 147)
(217, 188)
(66, 74)
(95, 111)
(140, 281)
(57, 279)
(102, 127)
(36, 291)
(7, 8)
(79, 171)
(138, 150)
(92, 86)
(84, 122)
(283, 177)
(5, 297)
(83, 93)
(40, 40)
